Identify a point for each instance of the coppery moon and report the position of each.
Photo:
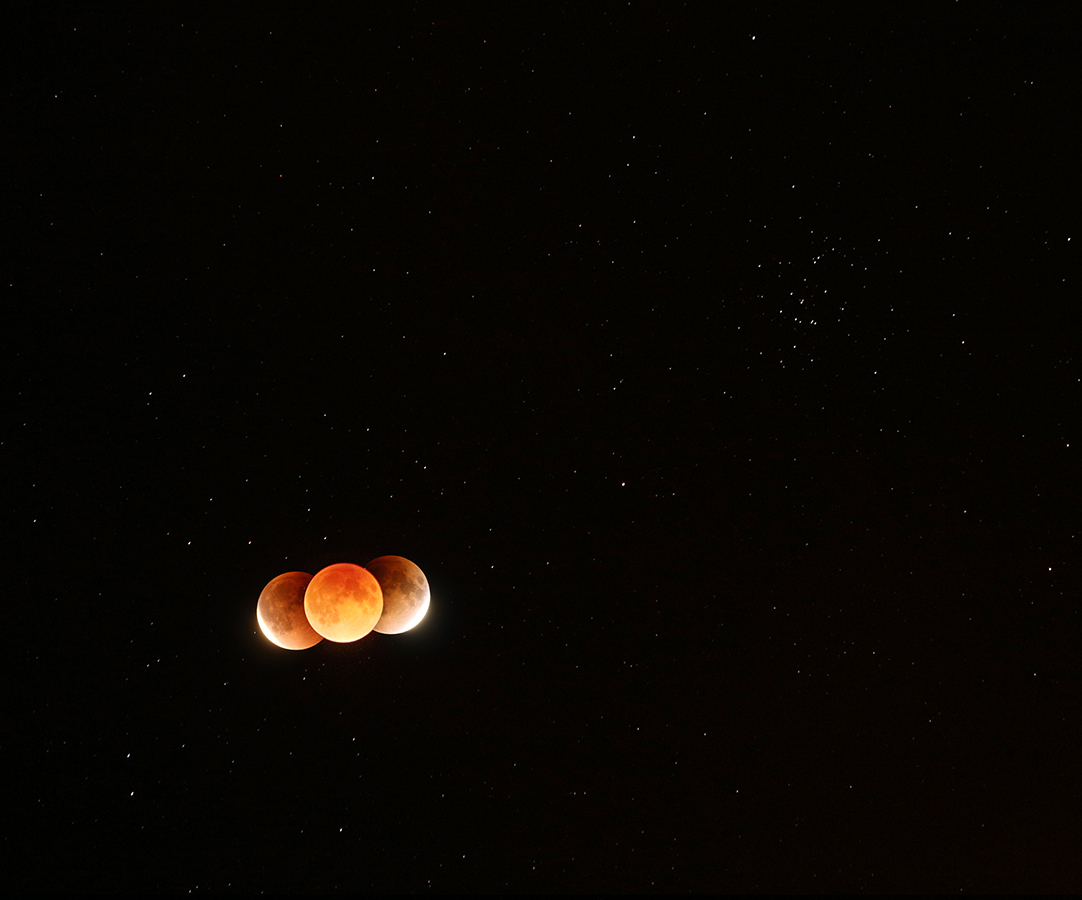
(406, 594)
(343, 602)
(280, 612)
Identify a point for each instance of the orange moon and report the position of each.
(405, 593)
(343, 602)
(280, 612)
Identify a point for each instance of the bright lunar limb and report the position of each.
(343, 602)
(280, 612)
(406, 595)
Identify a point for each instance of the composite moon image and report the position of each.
(343, 602)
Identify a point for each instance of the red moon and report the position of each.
(405, 593)
(343, 602)
(280, 612)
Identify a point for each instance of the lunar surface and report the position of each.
(405, 593)
(280, 612)
(343, 602)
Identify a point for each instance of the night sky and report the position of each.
(717, 363)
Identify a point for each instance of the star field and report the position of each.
(716, 366)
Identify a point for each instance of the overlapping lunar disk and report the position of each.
(343, 602)
(280, 612)
(405, 593)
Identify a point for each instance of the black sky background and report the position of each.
(718, 366)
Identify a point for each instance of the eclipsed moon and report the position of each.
(280, 612)
(405, 593)
(343, 602)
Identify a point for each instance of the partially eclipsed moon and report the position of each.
(343, 602)
(405, 593)
(280, 612)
